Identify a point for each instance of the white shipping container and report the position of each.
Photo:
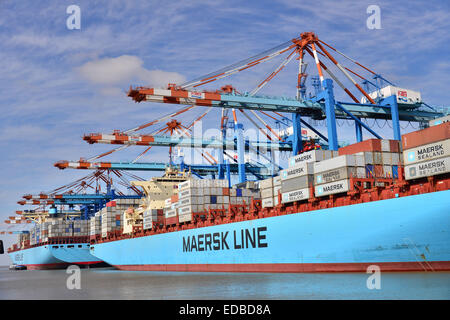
(267, 203)
(339, 174)
(385, 145)
(265, 184)
(189, 193)
(301, 169)
(348, 160)
(387, 171)
(185, 210)
(185, 217)
(275, 201)
(276, 190)
(404, 96)
(427, 169)
(311, 156)
(435, 150)
(332, 188)
(267, 193)
(276, 181)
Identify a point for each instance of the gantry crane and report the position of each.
(179, 136)
(75, 194)
(322, 106)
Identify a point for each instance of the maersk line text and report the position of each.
(242, 239)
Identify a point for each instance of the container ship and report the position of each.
(376, 202)
(57, 242)
(335, 208)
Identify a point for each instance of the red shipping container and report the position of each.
(171, 220)
(394, 146)
(366, 145)
(378, 171)
(426, 136)
(117, 216)
(174, 198)
(111, 204)
(225, 191)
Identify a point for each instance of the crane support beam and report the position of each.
(172, 141)
(309, 108)
(201, 169)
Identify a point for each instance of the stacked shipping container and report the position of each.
(197, 196)
(152, 216)
(381, 157)
(112, 214)
(296, 180)
(333, 175)
(95, 224)
(270, 189)
(427, 152)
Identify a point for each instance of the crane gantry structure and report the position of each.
(322, 106)
(76, 193)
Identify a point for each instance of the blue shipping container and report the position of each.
(369, 170)
(395, 172)
(239, 192)
(213, 199)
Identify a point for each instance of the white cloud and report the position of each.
(125, 68)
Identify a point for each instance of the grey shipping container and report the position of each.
(297, 183)
(427, 152)
(427, 169)
(338, 174)
(299, 170)
(295, 195)
(332, 188)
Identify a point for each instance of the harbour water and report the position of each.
(108, 283)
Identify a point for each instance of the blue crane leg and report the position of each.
(239, 132)
(330, 114)
(297, 145)
(358, 129)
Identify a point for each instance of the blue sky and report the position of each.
(58, 84)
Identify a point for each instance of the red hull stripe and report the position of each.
(292, 267)
(88, 262)
(46, 266)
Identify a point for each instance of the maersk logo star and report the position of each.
(411, 156)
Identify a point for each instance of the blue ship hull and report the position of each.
(401, 234)
(37, 258)
(78, 253)
(54, 256)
